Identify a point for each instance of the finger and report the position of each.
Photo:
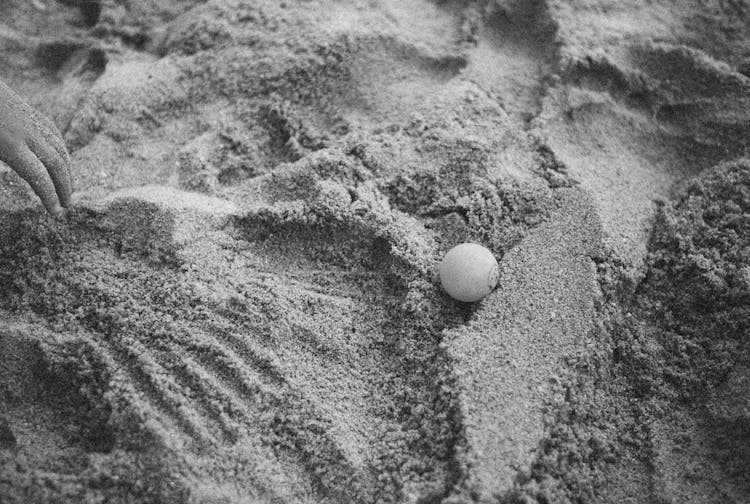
(31, 169)
(55, 138)
(43, 119)
(51, 132)
(56, 167)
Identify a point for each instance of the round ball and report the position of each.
(468, 272)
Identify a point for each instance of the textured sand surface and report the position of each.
(242, 305)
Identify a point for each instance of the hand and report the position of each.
(33, 147)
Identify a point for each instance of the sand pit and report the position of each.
(242, 304)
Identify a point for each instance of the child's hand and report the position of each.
(33, 147)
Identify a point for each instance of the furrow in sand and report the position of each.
(241, 381)
(239, 341)
(150, 409)
(216, 399)
(158, 389)
(242, 386)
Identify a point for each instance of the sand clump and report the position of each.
(242, 304)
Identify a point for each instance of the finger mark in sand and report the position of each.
(150, 415)
(223, 404)
(232, 344)
(257, 400)
(157, 389)
(253, 356)
(200, 388)
(252, 390)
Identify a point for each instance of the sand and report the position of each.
(242, 306)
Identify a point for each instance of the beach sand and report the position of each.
(241, 306)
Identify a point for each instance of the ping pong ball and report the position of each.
(468, 272)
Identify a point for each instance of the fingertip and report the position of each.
(50, 201)
(31, 169)
(65, 196)
(58, 168)
(52, 206)
(65, 191)
(57, 211)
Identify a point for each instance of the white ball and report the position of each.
(468, 272)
